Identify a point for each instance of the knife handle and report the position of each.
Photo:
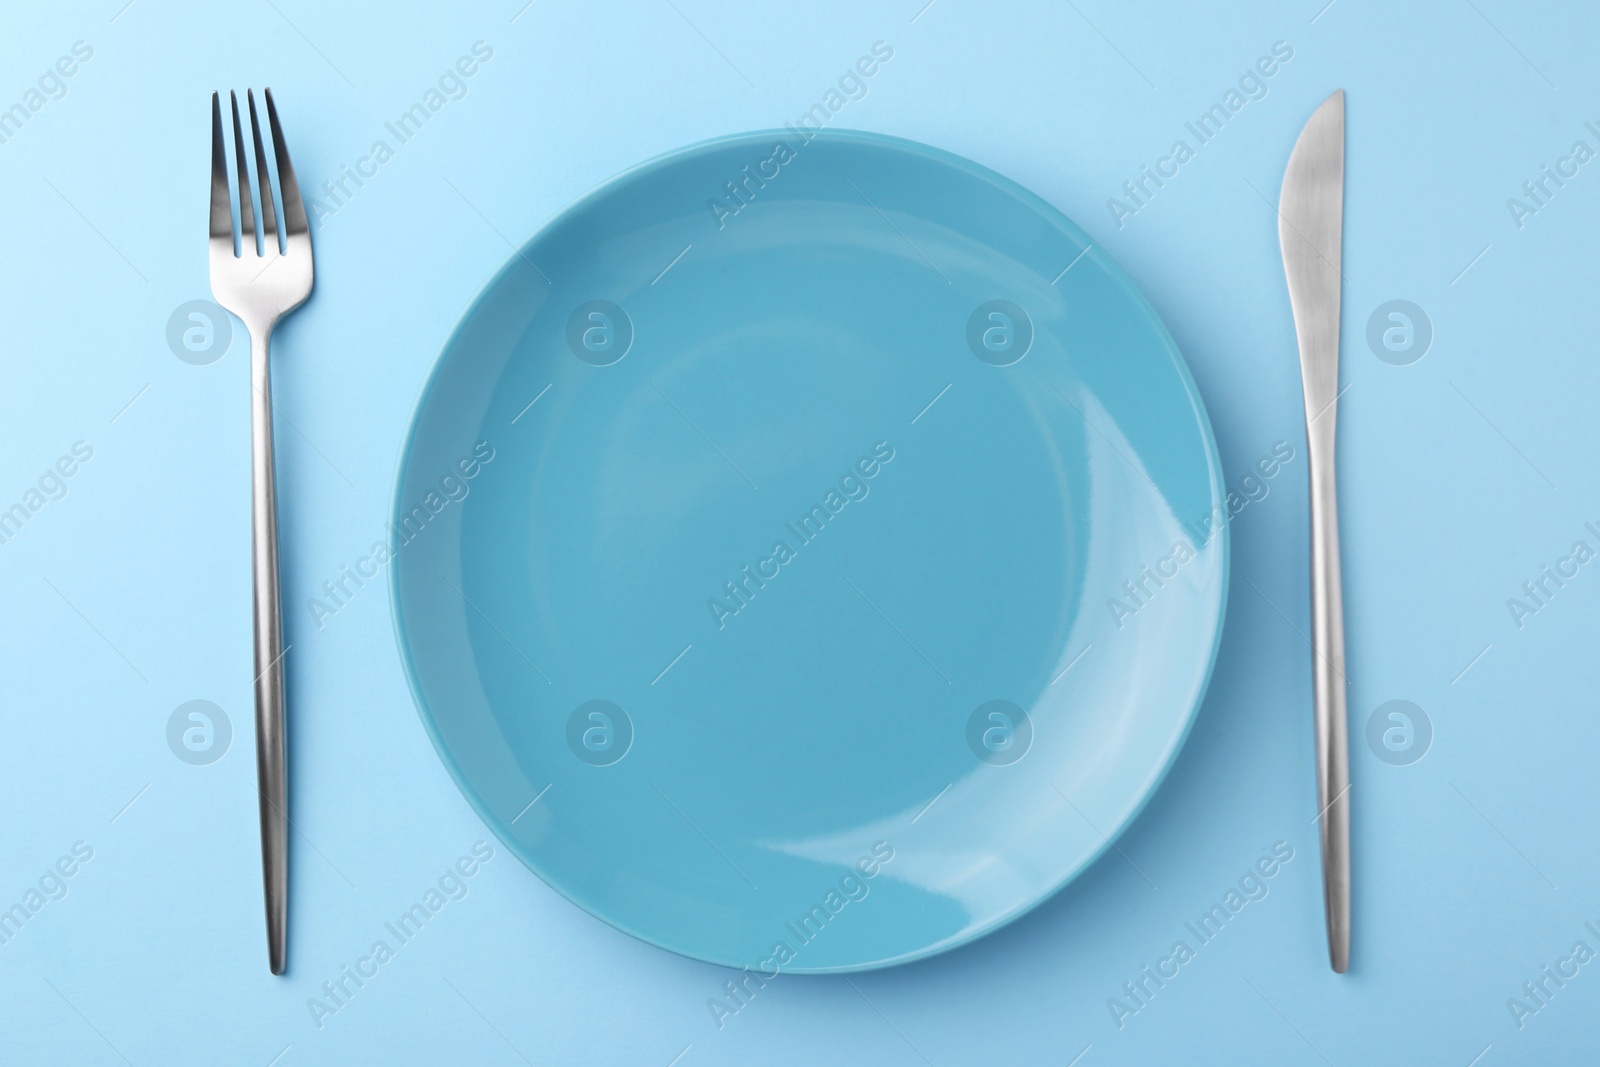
(1328, 682)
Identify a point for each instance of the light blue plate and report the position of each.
(810, 554)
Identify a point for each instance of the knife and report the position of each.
(1310, 218)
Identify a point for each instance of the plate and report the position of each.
(809, 552)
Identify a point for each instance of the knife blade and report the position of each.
(1310, 221)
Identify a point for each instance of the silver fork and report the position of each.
(260, 287)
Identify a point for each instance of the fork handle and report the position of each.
(271, 764)
(1328, 684)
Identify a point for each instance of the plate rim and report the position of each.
(1224, 536)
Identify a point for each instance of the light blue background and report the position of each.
(1462, 476)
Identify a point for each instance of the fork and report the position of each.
(261, 284)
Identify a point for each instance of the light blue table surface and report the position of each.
(1465, 474)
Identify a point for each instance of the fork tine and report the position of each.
(221, 209)
(269, 225)
(247, 218)
(294, 212)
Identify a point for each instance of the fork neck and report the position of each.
(260, 344)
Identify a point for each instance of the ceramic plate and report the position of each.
(809, 554)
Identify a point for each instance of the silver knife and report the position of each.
(1310, 218)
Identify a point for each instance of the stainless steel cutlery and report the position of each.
(1310, 220)
(267, 276)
